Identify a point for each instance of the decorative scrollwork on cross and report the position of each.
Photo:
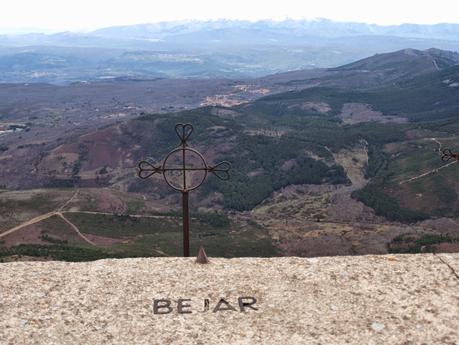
(184, 169)
(175, 164)
(448, 155)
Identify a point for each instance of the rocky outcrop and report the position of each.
(397, 299)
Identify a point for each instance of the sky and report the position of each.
(84, 15)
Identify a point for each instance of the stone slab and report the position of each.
(396, 299)
(452, 260)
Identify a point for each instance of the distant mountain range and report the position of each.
(207, 49)
(266, 30)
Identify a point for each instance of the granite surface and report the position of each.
(396, 299)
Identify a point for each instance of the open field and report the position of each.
(106, 234)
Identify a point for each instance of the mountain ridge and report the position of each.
(375, 71)
(320, 27)
(209, 49)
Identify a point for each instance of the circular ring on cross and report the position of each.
(184, 169)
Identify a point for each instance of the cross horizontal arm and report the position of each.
(160, 169)
(221, 170)
(447, 155)
(186, 169)
(146, 169)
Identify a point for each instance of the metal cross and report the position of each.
(184, 169)
(447, 155)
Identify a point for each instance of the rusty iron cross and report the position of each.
(447, 155)
(184, 169)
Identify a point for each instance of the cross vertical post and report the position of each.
(176, 167)
(186, 225)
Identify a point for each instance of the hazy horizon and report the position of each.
(32, 30)
(49, 16)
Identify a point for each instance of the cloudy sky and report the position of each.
(90, 14)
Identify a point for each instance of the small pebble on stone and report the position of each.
(377, 327)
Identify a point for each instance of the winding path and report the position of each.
(433, 171)
(27, 223)
(74, 227)
(59, 212)
(435, 64)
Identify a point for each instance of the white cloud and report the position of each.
(90, 14)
